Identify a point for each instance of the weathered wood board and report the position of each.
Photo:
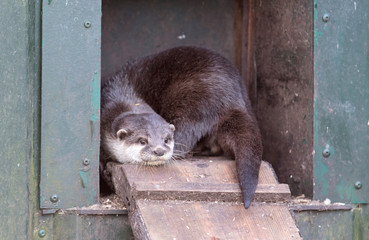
(201, 199)
(199, 179)
(209, 220)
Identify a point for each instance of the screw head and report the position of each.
(358, 185)
(87, 24)
(326, 153)
(325, 17)
(54, 198)
(86, 161)
(41, 233)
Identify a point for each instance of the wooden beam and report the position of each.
(209, 220)
(201, 199)
(211, 179)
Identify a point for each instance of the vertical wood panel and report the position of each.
(19, 100)
(341, 100)
(70, 102)
(137, 28)
(284, 62)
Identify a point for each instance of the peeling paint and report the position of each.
(95, 97)
(83, 176)
(317, 35)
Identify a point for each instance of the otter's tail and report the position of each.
(239, 136)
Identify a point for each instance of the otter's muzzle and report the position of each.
(159, 151)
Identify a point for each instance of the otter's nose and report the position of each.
(159, 152)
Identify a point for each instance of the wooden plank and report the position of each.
(283, 39)
(341, 101)
(211, 179)
(87, 227)
(203, 220)
(207, 192)
(326, 225)
(19, 120)
(70, 119)
(320, 207)
(201, 199)
(202, 170)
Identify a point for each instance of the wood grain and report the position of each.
(200, 198)
(207, 220)
(201, 179)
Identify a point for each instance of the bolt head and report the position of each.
(358, 185)
(325, 17)
(326, 153)
(41, 233)
(87, 24)
(54, 198)
(86, 161)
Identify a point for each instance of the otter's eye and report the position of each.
(166, 140)
(142, 141)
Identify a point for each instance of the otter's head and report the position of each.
(143, 138)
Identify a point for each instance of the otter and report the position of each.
(167, 104)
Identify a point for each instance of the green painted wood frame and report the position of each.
(341, 100)
(71, 49)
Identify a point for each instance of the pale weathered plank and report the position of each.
(208, 220)
(201, 199)
(203, 170)
(213, 179)
(230, 192)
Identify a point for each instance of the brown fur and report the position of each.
(203, 96)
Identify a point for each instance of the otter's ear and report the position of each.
(172, 127)
(122, 133)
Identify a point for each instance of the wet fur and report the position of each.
(203, 95)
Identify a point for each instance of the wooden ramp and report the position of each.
(201, 199)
